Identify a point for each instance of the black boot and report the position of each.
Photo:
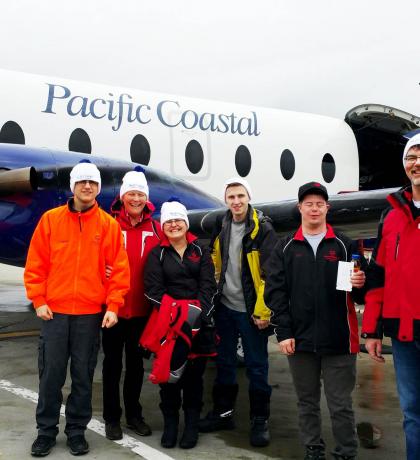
(221, 417)
(170, 397)
(260, 412)
(170, 429)
(190, 436)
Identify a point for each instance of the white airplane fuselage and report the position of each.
(201, 141)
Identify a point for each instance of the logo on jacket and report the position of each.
(331, 256)
(194, 257)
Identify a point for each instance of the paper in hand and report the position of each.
(344, 272)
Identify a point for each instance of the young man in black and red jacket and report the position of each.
(392, 301)
(316, 324)
(133, 210)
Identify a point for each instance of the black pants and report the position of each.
(191, 386)
(124, 335)
(339, 378)
(63, 337)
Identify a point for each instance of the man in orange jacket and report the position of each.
(65, 279)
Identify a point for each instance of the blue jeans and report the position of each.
(229, 324)
(407, 370)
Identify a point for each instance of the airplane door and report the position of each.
(190, 149)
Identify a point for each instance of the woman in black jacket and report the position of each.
(182, 269)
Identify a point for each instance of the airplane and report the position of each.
(206, 142)
(181, 139)
(33, 180)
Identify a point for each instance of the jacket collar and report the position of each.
(118, 210)
(252, 224)
(401, 200)
(85, 212)
(300, 237)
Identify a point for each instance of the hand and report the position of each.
(108, 271)
(261, 323)
(110, 319)
(287, 347)
(44, 312)
(358, 279)
(374, 348)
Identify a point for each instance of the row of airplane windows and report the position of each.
(140, 151)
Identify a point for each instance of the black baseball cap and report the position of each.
(312, 187)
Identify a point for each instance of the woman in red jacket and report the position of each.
(181, 269)
(141, 234)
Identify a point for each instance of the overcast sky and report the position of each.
(323, 56)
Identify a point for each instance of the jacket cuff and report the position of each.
(39, 301)
(113, 307)
(371, 335)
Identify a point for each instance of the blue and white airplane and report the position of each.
(184, 140)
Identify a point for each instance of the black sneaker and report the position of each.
(78, 445)
(215, 422)
(42, 446)
(315, 453)
(139, 426)
(259, 435)
(113, 431)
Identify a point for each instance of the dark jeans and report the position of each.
(229, 324)
(124, 335)
(339, 377)
(63, 337)
(407, 370)
(190, 385)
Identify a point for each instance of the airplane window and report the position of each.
(140, 150)
(328, 168)
(194, 156)
(287, 164)
(243, 161)
(11, 133)
(79, 141)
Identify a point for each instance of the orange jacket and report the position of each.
(65, 267)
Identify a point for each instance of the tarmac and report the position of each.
(375, 402)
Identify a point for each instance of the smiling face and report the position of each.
(237, 200)
(313, 210)
(85, 193)
(175, 229)
(134, 202)
(412, 166)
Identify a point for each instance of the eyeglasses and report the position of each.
(173, 221)
(411, 159)
(87, 182)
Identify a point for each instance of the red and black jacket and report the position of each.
(301, 291)
(191, 277)
(139, 240)
(392, 301)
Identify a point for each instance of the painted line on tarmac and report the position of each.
(136, 446)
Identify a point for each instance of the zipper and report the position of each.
(397, 244)
(77, 263)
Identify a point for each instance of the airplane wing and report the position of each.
(356, 214)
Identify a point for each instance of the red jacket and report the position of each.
(392, 302)
(65, 267)
(139, 241)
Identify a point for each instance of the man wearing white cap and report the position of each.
(240, 252)
(133, 211)
(392, 303)
(66, 281)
